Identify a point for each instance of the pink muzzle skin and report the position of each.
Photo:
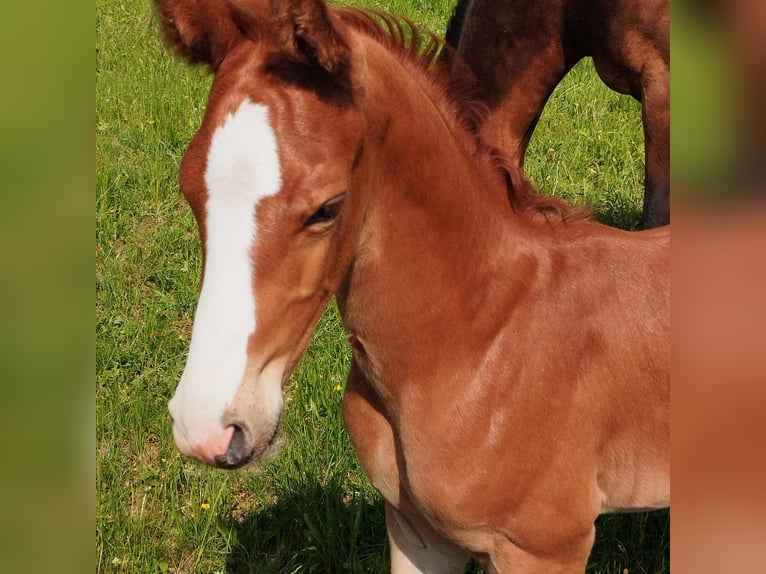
(207, 451)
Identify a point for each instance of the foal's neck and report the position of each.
(435, 240)
(424, 164)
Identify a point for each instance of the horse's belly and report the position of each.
(648, 489)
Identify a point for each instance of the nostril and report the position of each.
(238, 450)
(243, 446)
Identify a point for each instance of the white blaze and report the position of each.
(242, 169)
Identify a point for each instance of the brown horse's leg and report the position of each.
(656, 116)
(516, 111)
(631, 62)
(515, 54)
(415, 545)
(512, 121)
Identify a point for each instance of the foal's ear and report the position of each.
(306, 34)
(205, 30)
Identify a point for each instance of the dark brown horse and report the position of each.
(510, 373)
(519, 50)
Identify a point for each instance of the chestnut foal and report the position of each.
(510, 374)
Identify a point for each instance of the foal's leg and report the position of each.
(415, 546)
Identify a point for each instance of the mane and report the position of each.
(423, 52)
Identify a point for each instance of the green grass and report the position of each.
(311, 508)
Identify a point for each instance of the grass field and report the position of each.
(309, 509)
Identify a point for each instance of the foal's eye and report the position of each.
(327, 212)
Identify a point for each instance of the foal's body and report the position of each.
(506, 377)
(518, 386)
(510, 375)
(519, 50)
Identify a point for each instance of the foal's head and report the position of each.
(266, 177)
